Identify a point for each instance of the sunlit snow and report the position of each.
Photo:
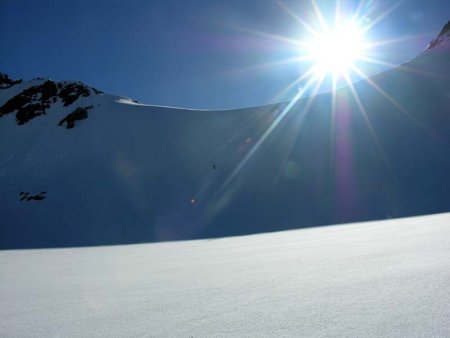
(378, 279)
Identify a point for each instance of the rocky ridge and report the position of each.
(442, 38)
(36, 100)
(6, 82)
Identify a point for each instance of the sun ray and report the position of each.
(309, 73)
(294, 42)
(356, 14)
(365, 116)
(402, 67)
(269, 130)
(389, 98)
(394, 41)
(332, 118)
(269, 64)
(381, 16)
(298, 123)
(379, 62)
(337, 13)
(319, 16)
(308, 27)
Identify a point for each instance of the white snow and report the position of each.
(389, 279)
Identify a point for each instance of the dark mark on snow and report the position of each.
(26, 196)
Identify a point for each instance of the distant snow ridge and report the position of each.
(442, 38)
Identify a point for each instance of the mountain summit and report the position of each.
(38, 95)
(79, 167)
(442, 38)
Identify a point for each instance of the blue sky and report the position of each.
(190, 53)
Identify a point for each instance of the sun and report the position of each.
(332, 47)
(335, 51)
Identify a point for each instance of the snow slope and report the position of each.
(378, 279)
(129, 173)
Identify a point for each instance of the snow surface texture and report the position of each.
(126, 173)
(378, 279)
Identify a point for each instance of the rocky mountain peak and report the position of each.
(442, 38)
(40, 95)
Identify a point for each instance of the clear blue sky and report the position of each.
(185, 53)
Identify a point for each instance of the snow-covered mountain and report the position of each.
(80, 167)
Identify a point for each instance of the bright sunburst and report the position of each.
(334, 44)
(335, 51)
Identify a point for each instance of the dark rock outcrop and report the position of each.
(71, 92)
(34, 101)
(81, 113)
(443, 36)
(446, 29)
(6, 82)
(31, 102)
